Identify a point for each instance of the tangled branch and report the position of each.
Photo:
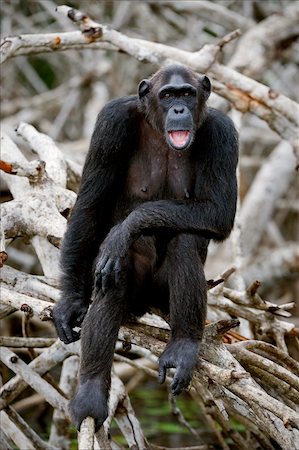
(253, 380)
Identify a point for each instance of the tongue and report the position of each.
(179, 138)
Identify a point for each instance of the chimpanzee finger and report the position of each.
(105, 282)
(162, 373)
(176, 387)
(106, 275)
(80, 317)
(64, 332)
(98, 277)
(181, 380)
(61, 335)
(117, 272)
(76, 335)
(71, 335)
(101, 263)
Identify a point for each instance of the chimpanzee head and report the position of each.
(173, 102)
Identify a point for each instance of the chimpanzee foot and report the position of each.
(182, 355)
(90, 400)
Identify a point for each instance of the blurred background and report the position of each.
(61, 94)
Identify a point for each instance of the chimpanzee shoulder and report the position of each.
(119, 110)
(218, 134)
(115, 129)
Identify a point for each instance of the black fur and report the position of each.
(148, 210)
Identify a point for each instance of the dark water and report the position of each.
(160, 426)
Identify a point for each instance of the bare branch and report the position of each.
(85, 437)
(34, 170)
(59, 436)
(35, 381)
(21, 342)
(246, 94)
(17, 301)
(258, 46)
(31, 435)
(214, 12)
(260, 201)
(251, 381)
(41, 365)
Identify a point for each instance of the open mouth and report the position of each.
(179, 138)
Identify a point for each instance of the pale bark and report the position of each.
(251, 381)
(260, 200)
(245, 94)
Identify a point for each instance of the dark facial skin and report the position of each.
(180, 104)
(159, 183)
(178, 101)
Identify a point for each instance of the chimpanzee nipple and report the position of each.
(187, 195)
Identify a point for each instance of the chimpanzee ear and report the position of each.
(144, 88)
(206, 86)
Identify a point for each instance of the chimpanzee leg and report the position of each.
(187, 286)
(99, 334)
(187, 301)
(100, 330)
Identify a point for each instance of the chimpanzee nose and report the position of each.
(179, 109)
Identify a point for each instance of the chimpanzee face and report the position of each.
(174, 103)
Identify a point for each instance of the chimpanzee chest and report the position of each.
(158, 172)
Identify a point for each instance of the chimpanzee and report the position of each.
(158, 184)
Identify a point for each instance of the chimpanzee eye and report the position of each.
(166, 95)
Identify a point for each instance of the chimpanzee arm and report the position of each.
(212, 211)
(91, 218)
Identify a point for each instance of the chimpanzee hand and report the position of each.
(181, 354)
(68, 315)
(112, 263)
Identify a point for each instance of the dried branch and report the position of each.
(14, 433)
(127, 421)
(40, 365)
(231, 376)
(29, 44)
(85, 437)
(12, 361)
(41, 287)
(59, 436)
(33, 437)
(34, 170)
(40, 219)
(214, 12)
(252, 299)
(273, 266)
(266, 324)
(246, 95)
(18, 342)
(19, 301)
(3, 254)
(46, 149)
(261, 42)
(259, 202)
(251, 381)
